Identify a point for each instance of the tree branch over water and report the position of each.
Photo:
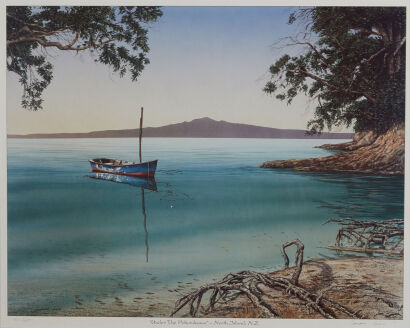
(117, 35)
(353, 59)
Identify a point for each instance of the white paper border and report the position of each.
(44, 322)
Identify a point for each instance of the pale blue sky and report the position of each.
(205, 61)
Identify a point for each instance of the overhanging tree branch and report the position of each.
(355, 64)
(336, 88)
(43, 42)
(324, 61)
(118, 34)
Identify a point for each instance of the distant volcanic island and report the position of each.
(199, 128)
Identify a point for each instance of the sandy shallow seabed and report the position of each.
(371, 285)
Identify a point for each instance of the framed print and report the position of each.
(203, 163)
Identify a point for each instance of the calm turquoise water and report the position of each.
(214, 212)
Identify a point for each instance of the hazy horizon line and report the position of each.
(162, 126)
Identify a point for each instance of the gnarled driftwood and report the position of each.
(254, 285)
(368, 236)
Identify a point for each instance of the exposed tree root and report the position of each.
(380, 236)
(252, 284)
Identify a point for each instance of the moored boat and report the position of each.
(144, 170)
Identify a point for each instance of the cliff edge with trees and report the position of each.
(353, 66)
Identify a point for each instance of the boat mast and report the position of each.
(142, 112)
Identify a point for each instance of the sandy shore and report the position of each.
(371, 285)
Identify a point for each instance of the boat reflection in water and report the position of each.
(149, 184)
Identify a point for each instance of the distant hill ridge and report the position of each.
(199, 128)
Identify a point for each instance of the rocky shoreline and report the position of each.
(367, 153)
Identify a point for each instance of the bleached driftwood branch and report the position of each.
(250, 283)
(370, 236)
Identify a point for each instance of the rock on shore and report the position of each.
(367, 153)
(360, 139)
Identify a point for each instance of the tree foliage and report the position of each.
(353, 65)
(116, 35)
